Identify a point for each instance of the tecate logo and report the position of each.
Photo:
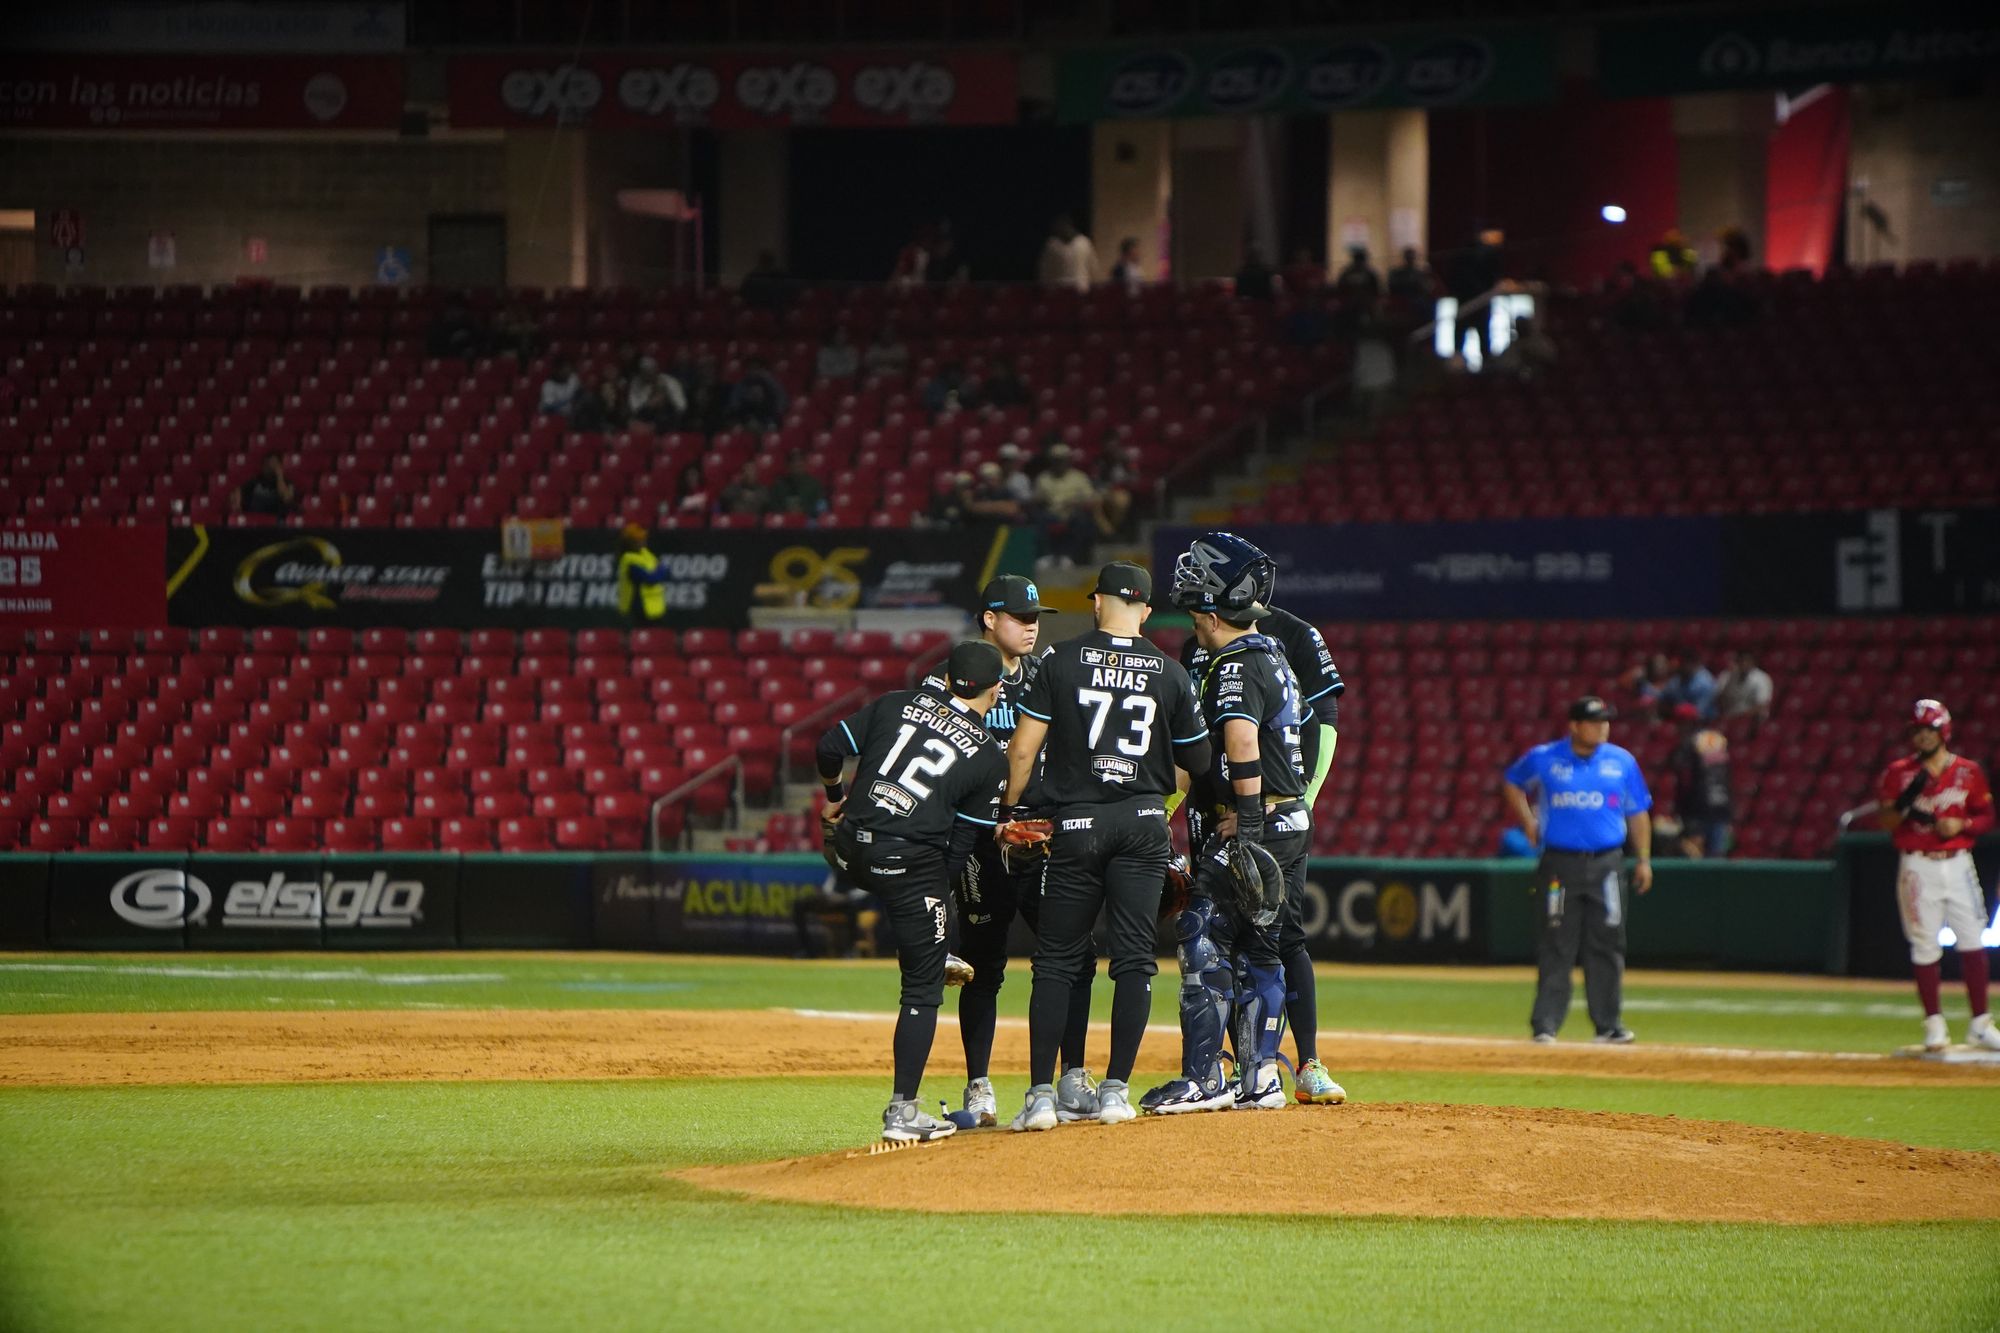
(1148, 83)
(1247, 79)
(799, 90)
(683, 90)
(1346, 75)
(565, 92)
(161, 899)
(916, 90)
(1448, 70)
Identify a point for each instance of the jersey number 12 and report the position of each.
(935, 759)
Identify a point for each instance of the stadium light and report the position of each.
(1613, 212)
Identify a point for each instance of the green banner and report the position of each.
(1794, 50)
(1432, 68)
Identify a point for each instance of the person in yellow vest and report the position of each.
(639, 571)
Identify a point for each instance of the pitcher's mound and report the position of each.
(1411, 1159)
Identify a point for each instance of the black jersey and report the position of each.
(1305, 652)
(1116, 708)
(925, 766)
(1004, 715)
(1251, 679)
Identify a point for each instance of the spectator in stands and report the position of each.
(953, 506)
(1672, 259)
(1019, 485)
(560, 390)
(1002, 387)
(1358, 286)
(1691, 683)
(1304, 274)
(798, 491)
(1256, 280)
(691, 491)
(1372, 377)
(1529, 353)
(1117, 476)
(516, 334)
(1411, 283)
(601, 408)
(1743, 689)
(1068, 257)
(656, 398)
(629, 359)
(1646, 677)
(946, 263)
(839, 358)
(1478, 271)
(453, 333)
(707, 396)
(950, 390)
(1127, 274)
(766, 286)
(1068, 502)
(269, 493)
(745, 495)
(888, 354)
(913, 260)
(758, 400)
(991, 499)
(1704, 799)
(1735, 246)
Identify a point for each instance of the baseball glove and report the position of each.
(1256, 883)
(1174, 895)
(1022, 841)
(829, 827)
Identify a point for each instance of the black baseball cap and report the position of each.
(1015, 595)
(1590, 708)
(1122, 578)
(974, 666)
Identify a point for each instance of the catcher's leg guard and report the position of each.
(1260, 1011)
(1206, 985)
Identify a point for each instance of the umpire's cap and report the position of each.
(1122, 578)
(1590, 708)
(1013, 594)
(974, 668)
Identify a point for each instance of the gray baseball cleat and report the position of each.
(1038, 1111)
(906, 1122)
(1114, 1103)
(981, 1102)
(1076, 1096)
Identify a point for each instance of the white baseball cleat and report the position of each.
(1936, 1037)
(981, 1102)
(1114, 1103)
(1983, 1034)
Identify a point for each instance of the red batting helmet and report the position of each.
(1931, 713)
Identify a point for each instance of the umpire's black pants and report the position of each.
(1110, 858)
(1582, 900)
(908, 879)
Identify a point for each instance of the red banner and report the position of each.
(91, 92)
(734, 90)
(83, 577)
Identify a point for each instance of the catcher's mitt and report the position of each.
(1023, 842)
(1174, 895)
(1256, 883)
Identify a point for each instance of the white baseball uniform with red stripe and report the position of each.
(1936, 884)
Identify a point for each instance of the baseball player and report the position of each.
(1208, 570)
(1117, 717)
(926, 791)
(1252, 865)
(1592, 798)
(1935, 804)
(990, 894)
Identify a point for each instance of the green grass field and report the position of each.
(547, 1204)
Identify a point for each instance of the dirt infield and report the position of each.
(234, 1047)
(1402, 1159)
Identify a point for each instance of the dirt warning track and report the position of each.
(471, 1044)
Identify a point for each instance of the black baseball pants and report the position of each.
(908, 879)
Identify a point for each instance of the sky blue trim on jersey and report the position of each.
(1031, 712)
(975, 819)
(850, 736)
(1337, 685)
(1201, 735)
(1245, 716)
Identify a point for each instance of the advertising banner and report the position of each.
(82, 577)
(200, 92)
(137, 901)
(1570, 568)
(1706, 53)
(389, 900)
(725, 904)
(1379, 911)
(24, 900)
(1427, 68)
(1934, 561)
(415, 577)
(524, 900)
(254, 902)
(734, 90)
(279, 27)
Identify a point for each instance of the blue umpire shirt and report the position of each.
(1582, 803)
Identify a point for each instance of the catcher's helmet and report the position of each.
(1223, 573)
(1931, 713)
